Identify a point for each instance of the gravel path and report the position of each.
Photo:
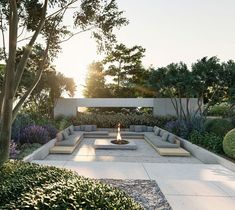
(145, 192)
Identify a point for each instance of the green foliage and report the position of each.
(209, 141)
(27, 149)
(232, 117)
(21, 121)
(31, 186)
(218, 126)
(61, 123)
(111, 120)
(229, 144)
(218, 110)
(50, 87)
(124, 67)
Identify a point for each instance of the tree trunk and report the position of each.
(8, 99)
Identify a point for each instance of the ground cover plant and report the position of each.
(31, 186)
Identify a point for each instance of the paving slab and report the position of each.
(227, 186)
(191, 188)
(203, 172)
(108, 170)
(200, 202)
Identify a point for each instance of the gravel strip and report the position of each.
(145, 192)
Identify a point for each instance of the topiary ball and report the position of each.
(229, 144)
(218, 126)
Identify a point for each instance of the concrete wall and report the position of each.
(164, 106)
(161, 106)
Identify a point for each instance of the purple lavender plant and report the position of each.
(179, 127)
(51, 130)
(34, 134)
(13, 150)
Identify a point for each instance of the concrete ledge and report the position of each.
(107, 144)
(206, 156)
(40, 153)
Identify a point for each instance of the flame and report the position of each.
(119, 138)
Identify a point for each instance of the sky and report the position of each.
(169, 30)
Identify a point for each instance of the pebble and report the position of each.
(146, 192)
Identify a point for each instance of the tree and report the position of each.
(51, 87)
(95, 82)
(212, 81)
(176, 82)
(229, 76)
(125, 68)
(33, 16)
(209, 81)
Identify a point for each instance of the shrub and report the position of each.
(178, 127)
(52, 131)
(21, 121)
(229, 144)
(218, 126)
(219, 110)
(14, 152)
(62, 124)
(183, 128)
(111, 120)
(232, 117)
(34, 134)
(209, 141)
(31, 186)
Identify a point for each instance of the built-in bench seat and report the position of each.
(158, 142)
(165, 143)
(71, 137)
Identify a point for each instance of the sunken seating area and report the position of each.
(164, 142)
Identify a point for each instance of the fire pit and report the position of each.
(117, 143)
(119, 139)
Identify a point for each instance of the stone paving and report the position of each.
(187, 183)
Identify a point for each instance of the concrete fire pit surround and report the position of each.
(107, 144)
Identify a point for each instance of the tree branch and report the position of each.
(22, 31)
(74, 34)
(28, 49)
(34, 84)
(3, 37)
(62, 8)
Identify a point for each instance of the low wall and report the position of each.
(206, 156)
(41, 152)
